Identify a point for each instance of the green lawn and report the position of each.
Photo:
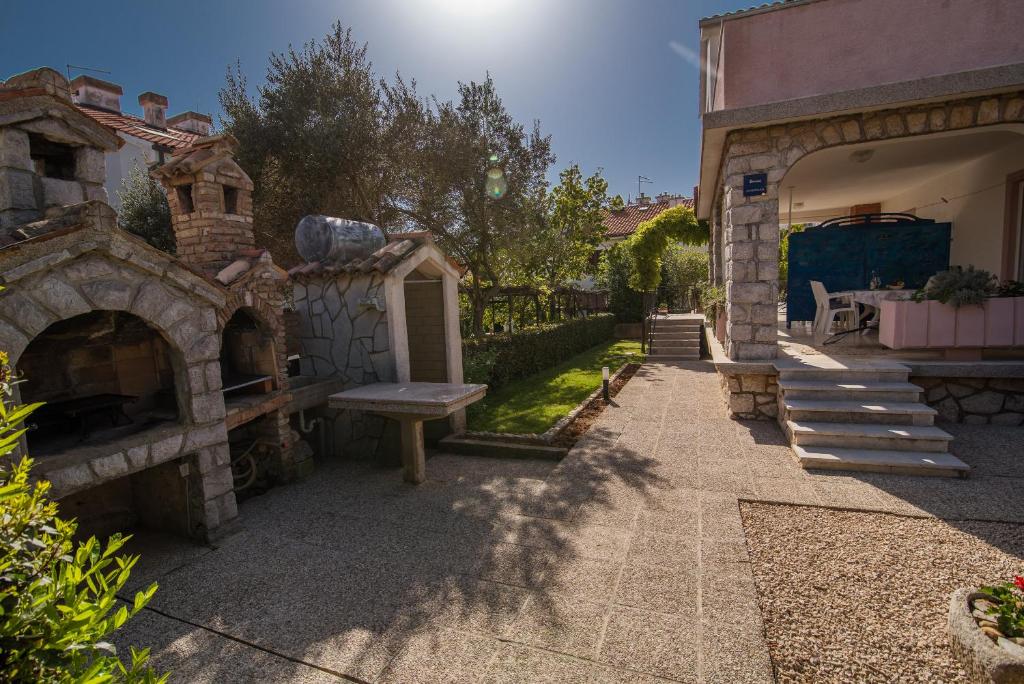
(536, 403)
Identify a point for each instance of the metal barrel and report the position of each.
(335, 240)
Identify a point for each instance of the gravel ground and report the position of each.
(862, 597)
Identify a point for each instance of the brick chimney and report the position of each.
(154, 109)
(86, 90)
(210, 198)
(193, 122)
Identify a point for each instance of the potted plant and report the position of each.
(961, 310)
(986, 631)
(662, 308)
(712, 301)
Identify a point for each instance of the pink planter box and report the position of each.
(999, 322)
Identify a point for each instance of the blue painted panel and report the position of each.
(844, 257)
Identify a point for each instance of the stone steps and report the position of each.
(676, 339)
(868, 436)
(850, 390)
(862, 416)
(882, 461)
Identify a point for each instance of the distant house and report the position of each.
(619, 225)
(146, 139)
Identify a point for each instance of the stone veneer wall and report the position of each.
(343, 333)
(751, 395)
(999, 401)
(746, 229)
(105, 269)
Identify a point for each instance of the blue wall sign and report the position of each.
(755, 184)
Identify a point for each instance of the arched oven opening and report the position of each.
(248, 364)
(103, 376)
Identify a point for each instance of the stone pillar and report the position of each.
(751, 240)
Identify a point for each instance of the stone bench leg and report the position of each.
(414, 458)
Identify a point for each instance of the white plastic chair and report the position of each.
(830, 306)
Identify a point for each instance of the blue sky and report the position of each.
(601, 75)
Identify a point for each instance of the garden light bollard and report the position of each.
(604, 382)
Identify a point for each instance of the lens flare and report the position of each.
(496, 186)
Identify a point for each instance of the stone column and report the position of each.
(751, 239)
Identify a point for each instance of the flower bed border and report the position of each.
(548, 437)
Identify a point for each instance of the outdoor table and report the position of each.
(872, 300)
(410, 403)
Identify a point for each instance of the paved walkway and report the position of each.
(625, 562)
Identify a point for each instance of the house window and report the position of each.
(184, 193)
(230, 200)
(51, 159)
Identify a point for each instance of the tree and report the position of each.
(144, 210)
(613, 274)
(323, 136)
(784, 257)
(477, 183)
(683, 270)
(569, 229)
(58, 601)
(652, 238)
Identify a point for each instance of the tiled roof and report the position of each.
(623, 223)
(134, 126)
(383, 260)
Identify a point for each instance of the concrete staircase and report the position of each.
(676, 338)
(861, 415)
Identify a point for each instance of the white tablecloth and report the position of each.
(876, 297)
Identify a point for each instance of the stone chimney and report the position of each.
(210, 198)
(193, 122)
(154, 109)
(86, 90)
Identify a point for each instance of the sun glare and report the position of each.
(472, 8)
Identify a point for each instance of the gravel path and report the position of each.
(862, 597)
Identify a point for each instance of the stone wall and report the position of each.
(999, 401)
(751, 395)
(749, 232)
(343, 333)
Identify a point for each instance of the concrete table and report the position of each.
(410, 403)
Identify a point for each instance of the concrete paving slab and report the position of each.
(664, 645)
(443, 655)
(560, 624)
(662, 588)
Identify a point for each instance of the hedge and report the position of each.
(500, 359)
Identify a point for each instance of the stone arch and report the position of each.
(746, 229)
(97, 282)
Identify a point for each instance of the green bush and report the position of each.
(959, 286)
(613, 275)
(499, 359)
(58, 602)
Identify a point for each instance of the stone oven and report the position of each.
(370, 313)
(159, 373)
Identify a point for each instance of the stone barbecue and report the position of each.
(159, 372)
(165, 378)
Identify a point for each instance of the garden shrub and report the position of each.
(959, 287)
(499, 359)
(58, 600)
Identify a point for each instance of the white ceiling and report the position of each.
(833, 179)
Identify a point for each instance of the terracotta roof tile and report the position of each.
(134, 126)
(624, 222)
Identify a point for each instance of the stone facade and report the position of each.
(343, 333)
(746, 229)
(751, 395)
(999, 401)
